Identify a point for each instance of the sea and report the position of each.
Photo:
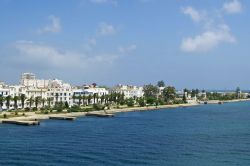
(204, 135)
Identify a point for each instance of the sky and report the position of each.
(186, 43)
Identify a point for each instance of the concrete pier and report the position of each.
(19, 122)
(62, 117)
(100, 114)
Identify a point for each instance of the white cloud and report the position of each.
(232, 7)
(214, 30)
(193, 13)
(208, 40)
(89, 44)
(106, 29)
(39, 54)
(127, 49)
(53, 27)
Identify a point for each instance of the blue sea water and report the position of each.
(207, 135)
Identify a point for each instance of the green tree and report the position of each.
(150, 90)
(66, 104)
(161, 83)
(37, 101)
(79, 100)
(94, 97)
(83, 99)
(22, 98)
(169, 94)
(1, 102)
(184, 98)
(141, 102)
(130, 102)
(90, 97)
(102, 98)
(49, 100)
(43, 100)
(31, 101)
(8, 100)
(15, 99)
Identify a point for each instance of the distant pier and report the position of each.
(62, 117)
(19, 122)
(100, 114)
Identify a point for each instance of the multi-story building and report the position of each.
(59, 91)
(129, 91)
(87, 90)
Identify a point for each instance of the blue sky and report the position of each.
(186, 43)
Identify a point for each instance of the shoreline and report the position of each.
(32, 116)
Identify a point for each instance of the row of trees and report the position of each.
(117, 98)
(24, 100)
(159, 94)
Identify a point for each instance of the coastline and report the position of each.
(32, 116)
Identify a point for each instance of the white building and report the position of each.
(90, 90)
(4, 90)
(59, 91)
(129, 91)
(29, 80)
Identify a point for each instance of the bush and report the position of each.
(59, 110)
(151, 100)
(74, 108)
(16, 113)
(46, 112)
(130, 102)
(88, 109)
(141, 102)
(98, 107)
(27, 109)
(178, 102)
(34, 109)
(5, 116)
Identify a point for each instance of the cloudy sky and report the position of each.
(186, 43)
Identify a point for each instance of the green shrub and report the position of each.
(141, 102)
(98, 107)
(34, 109)
(130, 102)
(151, 100)
(88, 109)
(27, 109)
(5, 116)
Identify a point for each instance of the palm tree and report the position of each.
(37, 101)
(8, 99)
(89, 98)
(94, 96)
(102, 98)
(16, 98)
(74, 97)
(1, 102)
(83, 99)
(97, 97)
(57, 96)
(106, 98)
(31, 101)
(43, 100)
(49, 100)
(79, 100)
(22, 97)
